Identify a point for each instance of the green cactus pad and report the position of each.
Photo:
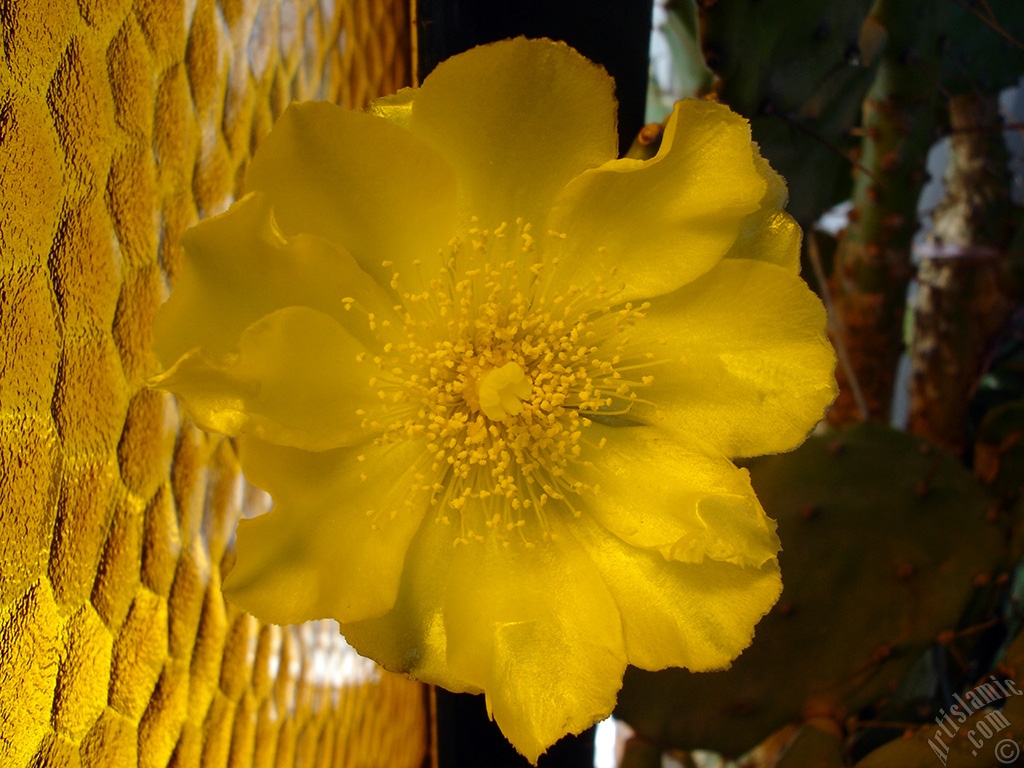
(999, 452)
(979, 742)
(883, 537)
(800, 74)
(984, 49)
(813, 748)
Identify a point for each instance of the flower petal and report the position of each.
(334, 544)
(238, 268)
(660, 223)
(411, 637)
(770, 234)
(358, 180)
(538, 631)
(396, 107)
(694, 615)
(696, 505)
(517, 120)
(299, 379)
(747, 365)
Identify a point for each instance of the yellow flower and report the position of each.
(493, 378)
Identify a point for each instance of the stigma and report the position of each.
(499, 370)
(502, 391)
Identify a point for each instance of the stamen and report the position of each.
(497, 372)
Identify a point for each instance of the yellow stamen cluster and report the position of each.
(499, 374)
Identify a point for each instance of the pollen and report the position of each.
(499, 370)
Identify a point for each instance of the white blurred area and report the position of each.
(609, 742)
(677, 67)
(664, 88)
(610, 745)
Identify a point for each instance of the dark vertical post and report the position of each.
(614, 34)
(466, 738)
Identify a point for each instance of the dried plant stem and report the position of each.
(836, 331)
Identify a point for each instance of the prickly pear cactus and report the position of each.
(935, 48)
(914, 750)
(966, 291)
(800, 74)
(883, 539)
(987, 738)
(999, 452)
(813, 748)
(873, 260)
(982, 49)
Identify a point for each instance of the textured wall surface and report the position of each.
(121, 123)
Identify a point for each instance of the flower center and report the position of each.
(499, 372)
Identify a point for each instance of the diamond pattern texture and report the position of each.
(122, 122)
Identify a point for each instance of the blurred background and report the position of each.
(898, 125)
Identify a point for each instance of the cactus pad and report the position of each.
(883, 537)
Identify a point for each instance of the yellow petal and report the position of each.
(770, 234)
(697, 616)
(695, 504)
(396, 107)
(358, 180)
(660, 223)
(334, 544)
(411, 638)
(743, 359)
(299, 379)
(238, 268)
(517, 119)
(538, 631)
